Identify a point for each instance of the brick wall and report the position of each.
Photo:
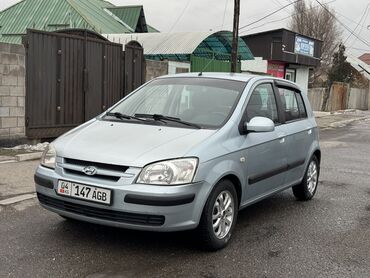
(12, 91)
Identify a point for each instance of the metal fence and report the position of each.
(199, 64)
(73, 76)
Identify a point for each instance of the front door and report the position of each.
(265, 152)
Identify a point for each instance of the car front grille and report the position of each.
(107, 172)
(103, 166)
(104, 214)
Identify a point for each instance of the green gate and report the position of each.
(201, 64)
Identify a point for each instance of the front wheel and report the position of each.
(219, 216)
(307, 188)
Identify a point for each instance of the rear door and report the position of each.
(265, 151)
(298, 129)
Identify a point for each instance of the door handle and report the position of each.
(309, 132)
(281, 137)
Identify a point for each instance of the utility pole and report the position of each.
(234, 50)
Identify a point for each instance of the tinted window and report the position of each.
(262, 103)
(301, 106)
(290, 104)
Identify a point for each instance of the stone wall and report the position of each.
(12, 91)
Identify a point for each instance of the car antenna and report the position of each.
(210, 61)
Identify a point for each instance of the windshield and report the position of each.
(205, 102)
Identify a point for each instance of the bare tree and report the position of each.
(319, 23)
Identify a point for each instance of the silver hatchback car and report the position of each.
(184, 152)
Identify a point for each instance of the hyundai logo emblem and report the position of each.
(90, 170)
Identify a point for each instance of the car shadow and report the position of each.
(261, 213)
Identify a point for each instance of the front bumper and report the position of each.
(134, 206)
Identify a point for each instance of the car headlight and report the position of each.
(48, 157)
(169, 172)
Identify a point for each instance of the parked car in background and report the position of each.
(185, 152)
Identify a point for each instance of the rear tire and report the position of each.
(306, 190)
(219, 216)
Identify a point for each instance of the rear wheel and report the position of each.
(219, 216)
(307, 188)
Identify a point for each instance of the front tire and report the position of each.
(306, 190)
(219, 216)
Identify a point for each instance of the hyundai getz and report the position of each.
(185, 152)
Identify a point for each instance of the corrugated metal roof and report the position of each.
(163, 43)
(360, 66)
(93, 12)
(184, 43)
(128, 14)
(52, 15)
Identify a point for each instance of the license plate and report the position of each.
(84, 192)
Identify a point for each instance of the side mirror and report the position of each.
(259, 124)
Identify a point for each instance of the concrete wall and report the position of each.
(302, 75)
(358, 99)
(12, 91)
(155, 69)
(258, 65)
(158, 68)
(178, 67)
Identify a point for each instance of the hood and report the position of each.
(128, 144)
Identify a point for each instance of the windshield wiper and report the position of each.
(158, 117)
(121, 116)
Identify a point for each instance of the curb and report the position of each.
(344, 123)
(28, 156)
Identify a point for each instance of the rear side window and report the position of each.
(293, 105)
(301, 106)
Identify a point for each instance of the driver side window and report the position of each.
(262, 103)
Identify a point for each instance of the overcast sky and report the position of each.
(204, 15)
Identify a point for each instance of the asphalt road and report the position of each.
(279, 237)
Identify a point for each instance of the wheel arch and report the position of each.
(317, 153)
(234, 179)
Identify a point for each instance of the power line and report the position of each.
(360, 49)
(180, 16)
(358, 24)
(344, 25)
(350, 19)
(223, 19)
(270, 14)
(173, 26)
(285, 18)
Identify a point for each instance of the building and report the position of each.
(204, 51)
(288, 54)
(365, 58)
(51, 15)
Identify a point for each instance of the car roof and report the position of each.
(243, 77)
